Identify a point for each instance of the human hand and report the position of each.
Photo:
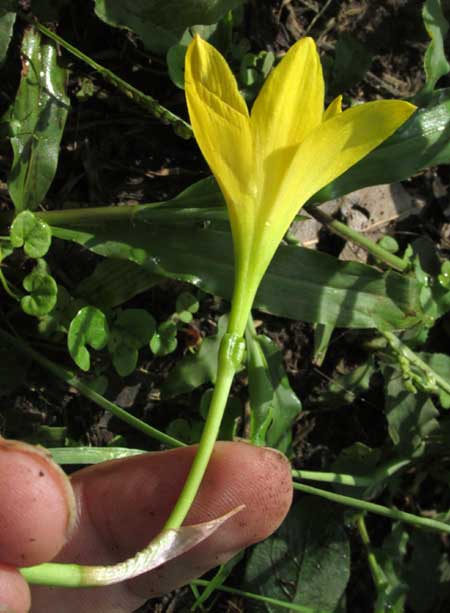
(120, 505)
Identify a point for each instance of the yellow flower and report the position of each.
(270, 162)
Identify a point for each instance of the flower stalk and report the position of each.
(268, 164)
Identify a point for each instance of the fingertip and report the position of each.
(38, 505)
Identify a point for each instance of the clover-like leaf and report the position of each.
(43, 293)
(136, 327)
(132, 330)
(31, 233)
(164, 341)
(186, 305)
(88, 327)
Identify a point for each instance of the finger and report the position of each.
(14, 591)
(124, 504)
(37, 505)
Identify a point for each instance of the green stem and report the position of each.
(149, 104)
(378, 509)
(230, 356)
(272, 601)
(381, 473)
(71, 379)
(6, 287)
(414, 359)
(378, 576)
(356, 237)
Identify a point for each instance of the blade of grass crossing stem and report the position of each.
(71, 379)
(272, 601)
(378, 509)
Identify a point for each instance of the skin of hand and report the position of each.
(107, 512)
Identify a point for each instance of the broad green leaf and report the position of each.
(344, 389)
(161, 24)
(135, 326)
(88, 327)
(175, 64)
(7, 20)
(391, 595)
(274, 404)
(43, 292)
(423, 141)
(113, 282)
(41, 107)
(196, 369)
(411, 417)
(31, 233)
(352, 61)
(300, 283)
(435, 62)
(306, 562)
(164, 340)
(427, 573)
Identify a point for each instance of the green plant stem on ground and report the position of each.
(149, 104)
(71, 379)
(381, 473)
(378, 509)
(270, 601)
(359, 239)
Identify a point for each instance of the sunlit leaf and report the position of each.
(31, 233)
(88, 327)
(40, 109)
(42, 295)
(300, 283)
(274, 405)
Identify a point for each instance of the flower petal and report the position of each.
(334, 108)
(336, 145)
(290, 103)
(288, 108)
(220, 121)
